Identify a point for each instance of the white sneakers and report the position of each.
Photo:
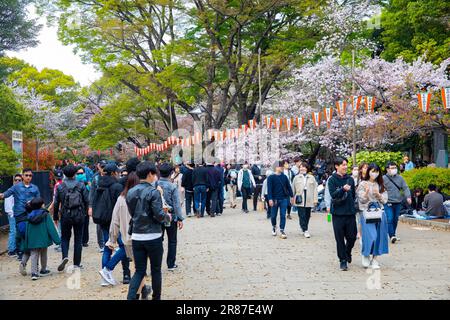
(375, 264)
(306, 234)
(365, 261)
(274, 231)
(107, 276)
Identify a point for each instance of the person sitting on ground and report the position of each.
(433, 203)
(417, 198)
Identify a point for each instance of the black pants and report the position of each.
(267, 207)
(172, 243)
(143, 250)
(213, 201)
(345, 234)
(304, 214)
(189, 201)
(86, 230)
(289, 207)
(220, 200)
(208, 202)
(66, 234)
(256, 194)
(245, 193)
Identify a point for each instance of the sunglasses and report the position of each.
(27, 175)
(18, 180)
(80, 173)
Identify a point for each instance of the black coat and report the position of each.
(335, 186)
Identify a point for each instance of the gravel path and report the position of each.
(234, 256)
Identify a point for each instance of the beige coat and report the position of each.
(365, 198)
(120, 223)
(298, 186)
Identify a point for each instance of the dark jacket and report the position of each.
(222, 175)
(214, 177)
(61, 192)
(200, 176)
(145, 207)
(259, 179)
(172, 197)
(278, 187)
(41, 235)
(335, 186)
(186, 180)
(114, 187)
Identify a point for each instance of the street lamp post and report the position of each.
(201, 113)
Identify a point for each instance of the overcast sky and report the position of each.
(51, 53)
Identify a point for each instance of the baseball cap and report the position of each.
(59, 174)
(110, 168)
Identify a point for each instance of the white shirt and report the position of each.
(9, 205)
(145, 236)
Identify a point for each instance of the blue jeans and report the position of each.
(200, 198)
(392, 211)
(12, 234)
(282, 204)
(109, 260)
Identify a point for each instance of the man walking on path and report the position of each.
(279, 194)
(72, 198)
(397, 189)
(105, 198)
(171, 196)
(343, 193)
(245, 184)
(200, 181)
(186, 183)
(100, 166)
(212, 199)
(145, 206)
(9, 209)
(259, 180)
(220, 195)
(22, 192)
(290, 175)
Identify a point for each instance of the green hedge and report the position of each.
(421, 178)
(378, 157)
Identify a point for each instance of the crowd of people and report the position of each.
(137, 204)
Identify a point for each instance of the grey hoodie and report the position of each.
(394, 195)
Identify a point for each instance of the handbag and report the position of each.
(373, 213)
(298, 200)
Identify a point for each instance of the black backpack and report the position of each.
(102, 208)
(73, 204)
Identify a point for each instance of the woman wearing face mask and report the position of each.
(305, 196)
(375, 238)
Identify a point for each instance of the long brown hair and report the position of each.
(132, 180)
(361, 166)
(380, 181)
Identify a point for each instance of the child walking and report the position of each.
(40, 233)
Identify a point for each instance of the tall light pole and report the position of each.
(353, 109)
(260, 105)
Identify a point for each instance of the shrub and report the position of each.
(421, 178)
(378, 157)
(9, 160)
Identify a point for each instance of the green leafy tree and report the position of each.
(13, 114)
(9, 160)
(422, 177)
(378, 157)
(17, 31)
(414, 28)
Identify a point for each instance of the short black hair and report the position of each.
(17, 175)
(34, 204)
(339, 160)
(70, 170)
(390, 163)
(132, 164)
(306, 165)
(165, 169)
(432, 187)
(81, 168)
(144, 168)
(27, 170)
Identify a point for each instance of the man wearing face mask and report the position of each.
(81, 177)
(397, 189)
